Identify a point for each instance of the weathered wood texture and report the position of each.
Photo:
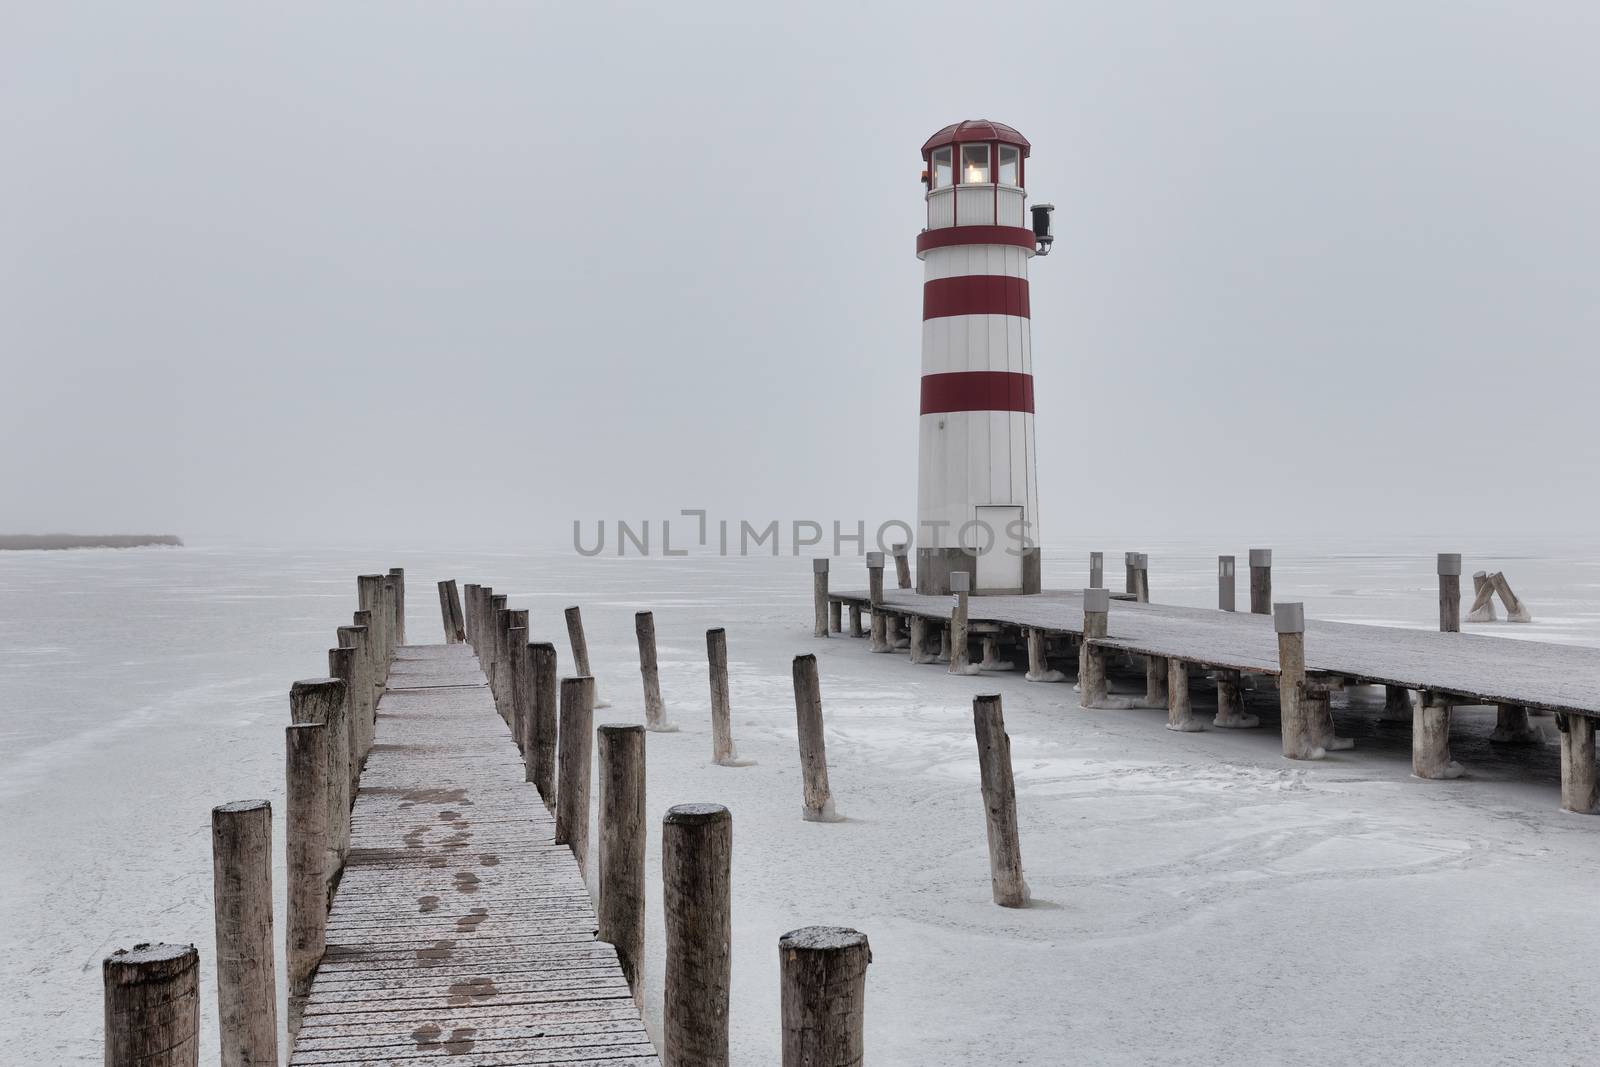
(655, 709)
(247, 980)
(461, 932)
(306, 836)
(823, 980)
(817, 799)
(722, 750)
(575, 749)
(539, 751)
(622, 841)
(999, 802)
(152, 1007)
(696, 891)
(819, 597)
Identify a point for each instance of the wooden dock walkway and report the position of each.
(460, 930)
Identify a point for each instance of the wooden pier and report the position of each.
(460, 927)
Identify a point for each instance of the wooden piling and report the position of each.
(521, 672)
(457, 619)
(621, 858)
(354, 638)
(1511, 726)
(1230, 703)
(539, 753)
(475, 609)
(1516, 610)
(1180, 710)
(580, 654)
(1396, 704)
(918, 646)
(572, 782)
(817, 804)
(391, 618)
(855, 621)
(469, 596)
(1261, 581)
(322, 701)
(1289, 620)
(342, 665)
(823, 989)
(1141, 577)
(1225, 583)
(1482, 599)
(1449, 569)
(880, 622)
(1097, 570)
(449, 612)
(835, 617)
(696, 863)
(398, 576)
(247, 989)
(306, 834)
(819, 596)
(1580, 788)
(1091, 658)
(1155, 682)
(902, 565)
(999, 802)
(369, 597)
(1130, 563)
(722, 750)
(499, 659)
(152, 1007)
(655, 711)
(960, 641)
(1430, 738)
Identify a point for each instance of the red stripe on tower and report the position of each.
(975, 294)
(977, 390)
(950, 236)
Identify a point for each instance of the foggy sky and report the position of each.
(452, 271)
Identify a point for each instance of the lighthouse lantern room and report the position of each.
(977, 490)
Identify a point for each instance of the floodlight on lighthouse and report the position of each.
(1043, 238)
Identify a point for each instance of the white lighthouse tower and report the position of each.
(977, 488)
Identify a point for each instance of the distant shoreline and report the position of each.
(50, 542)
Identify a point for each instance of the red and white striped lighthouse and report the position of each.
(977, 489)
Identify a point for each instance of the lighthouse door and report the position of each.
(1000, 567)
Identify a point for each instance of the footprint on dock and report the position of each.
(438, 953)
(489, 859)
(449, 816)
(428, 904)
(477, 989)
(466, 882)
(469, 922)
(458, 1043)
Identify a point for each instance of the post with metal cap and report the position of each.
(152, 1006)
(818, 799)
(1449, 569)
(655, 710)
(1261, 581)
(960, 641)
(1225, 583)
(819, 596)
(1289, 620)
(1130, 562)
(999, 802)
(823, 983)
(1141, 577)
(696, 862)
(1430, 717)
(306, 765)
(1097, 570)
(880, 631)
(247, 979)
(622, 830)
(1092, 658)
(576, 747)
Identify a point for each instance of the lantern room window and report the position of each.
(939, 175)
(974, 164)
(1010, 169)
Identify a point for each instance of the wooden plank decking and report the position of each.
(1490, 670)
(460, 931)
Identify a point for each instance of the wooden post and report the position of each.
(696, 863)
(880, 627)
(1155, 681)
(855, 621)
(580, 654)
(247, 977)
(539, 755)
(1180, 711)
(391, 618)
(1130, 561)
(469, 594)
(306, 749)
(1516, 610)
(451, 637)
(999, 802)
(457, 620)
(354, 638)
(152, 1007)
(369, 596)
(499, 660)
(1225, 583)
(366, 646)
(819, 596)
(823, 983)
(1512, 727)
(1396, 704)
(1091, 658)
(1230, 703)
(1261, 582)
(1580, 788)
(342, 665)
(321, 701)
(1141, 577)
(1430, 738)
(960, 641)
(521, 686)
(991, 655)
(1039, 669)
(1097, 570)
(902, 565)
(722, 750)
(479, 608)
(1449, 569)
(1289, 620)
(835, 616)
(398, 575)
(1482, 599)
(919, 640)
(818, 799)
(621, 909)
(655, 711)
(575, 743)
(516, 619)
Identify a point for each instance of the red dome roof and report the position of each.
(975, 130)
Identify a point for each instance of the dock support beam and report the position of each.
(835, 617)
(1580, 789)
(919, 640)
(1289, 620)
(817, 798)
(819, 596)
(1511, 726)
(696, 857)
(999, 803)
(855, 621)
(1039, 669)
(823, 983)
(1230, 703)
(880, 622)
(1261, 581)
(1430, 738)
(1180, 712)
(1091, 658)
(960, 640)
(621, 909)
(1155, 682)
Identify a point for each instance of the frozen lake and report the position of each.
(1199, 899)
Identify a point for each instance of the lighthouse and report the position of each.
(977, 486)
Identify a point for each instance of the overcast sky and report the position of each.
(429, 271)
